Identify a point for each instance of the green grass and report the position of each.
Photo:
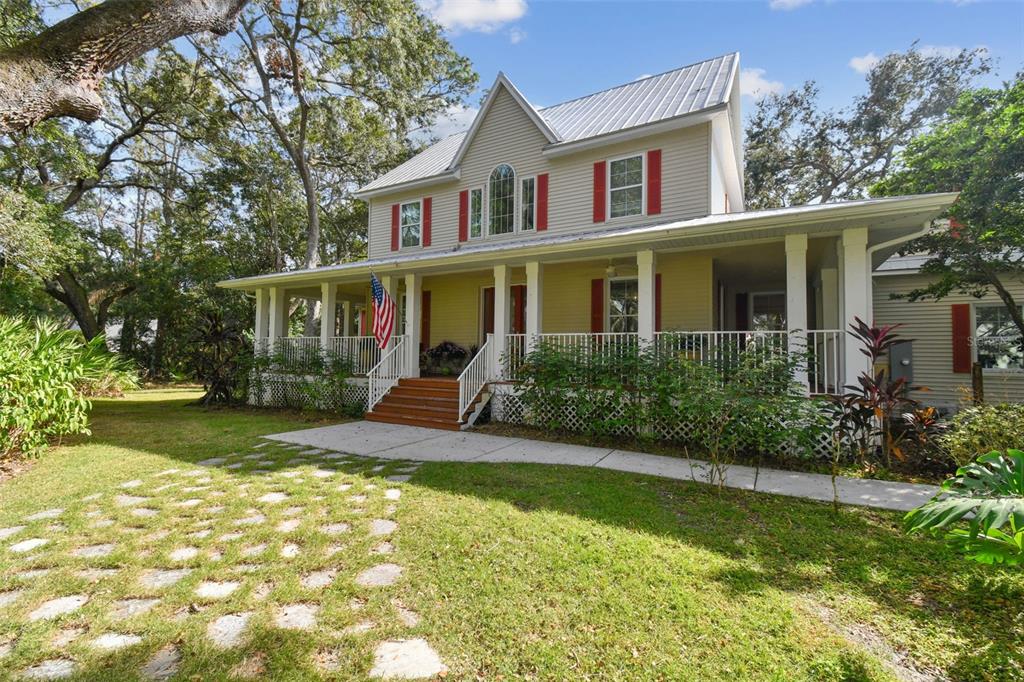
(517, 571)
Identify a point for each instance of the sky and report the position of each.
(555, 50)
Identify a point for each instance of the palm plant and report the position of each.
(989, 494)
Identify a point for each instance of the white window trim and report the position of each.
(750, 304)
(1015, 371)
(483, 213)
(519, 227)
(419, 243)
(515, 203)
(608, 299)
(608, 186)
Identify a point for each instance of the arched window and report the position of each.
(502, 199)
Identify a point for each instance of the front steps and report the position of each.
(429, 402)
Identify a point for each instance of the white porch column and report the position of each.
(645, 296)
(278, 316)
(262, 319)
(413, 319)
(534, 296)
(796, 297)
(346, 323)
(328, 314)
(856, 296)
(501, 315)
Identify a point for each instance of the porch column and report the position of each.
(534, 296)
(796, 298)
(856, 296)
(413, 318)
(501, 314)
(262, 320)
(328, 314)
(645, 296)
(278, 316)
(346, 323)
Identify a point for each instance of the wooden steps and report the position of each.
(429, 402)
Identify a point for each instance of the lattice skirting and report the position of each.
(308, 392)
(507, 406)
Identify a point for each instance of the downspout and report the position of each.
(884, 245)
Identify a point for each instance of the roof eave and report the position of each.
(430, 180)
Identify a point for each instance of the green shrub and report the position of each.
(979, 429)
(45, 375)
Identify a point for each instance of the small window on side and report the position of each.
(529, 205)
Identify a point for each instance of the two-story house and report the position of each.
(618, 215)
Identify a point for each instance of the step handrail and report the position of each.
(386, 373)
(474, 378)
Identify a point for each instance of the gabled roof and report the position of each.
(654, 99)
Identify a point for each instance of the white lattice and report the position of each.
(308, 392)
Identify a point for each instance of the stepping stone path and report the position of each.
(127, 608)
(66, 636)
(163, 666)
(32, 574)
(335, 528)
(183, 554)
(131, 484)
(227, 631)
(8, 532)
(392, 493)
(399, 478)
(290, 551)
(253, 550)
(273, 498)
(289, 525)
(58, 607)
(144, 512)
(408, 659)
(159, 578)
(114, 641)
(93, 551)
(9, 597)
(317, 580)
(383, 548)
(28, 545)
(53, 669)
(129, 500)
(214, 590)
(45, 514)
(379, 576)
(231, 537)
(213, 461)
(380, 527)
(93, 575)
(296, 617)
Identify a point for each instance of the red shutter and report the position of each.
(657, 302)
(596, 306)
(463, 215)
(599, 208)
(654, 182)
(425, 322)
(542, 202)
(519, 309)
(488, 311)
(962, 356)
(394, 227)
(428, 205)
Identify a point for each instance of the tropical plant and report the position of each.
(981, 428)
(989, 495)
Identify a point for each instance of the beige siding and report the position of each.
(687, 291)
(455, 307)
(929, 324)
(509, 136)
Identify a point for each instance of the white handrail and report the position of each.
(361, 351)
(386, 373)
(474, 377)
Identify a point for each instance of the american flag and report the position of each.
(383, 312)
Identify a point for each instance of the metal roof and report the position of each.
(675, 93)
(911, 262)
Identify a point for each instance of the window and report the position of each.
(476, 212)
(996, 338)
(529, 205)
(502, 200)
(768, 312)
(410, 224)
(622, 305)
(626, 186)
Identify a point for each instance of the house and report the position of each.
(947, 337)
(612, 217)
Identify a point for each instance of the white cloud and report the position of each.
(864, 63)
(516, 35)
(455, 120)
(786, 5)
(754, 84)
(474, 15)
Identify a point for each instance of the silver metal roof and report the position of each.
(897, 263)
(682, 91)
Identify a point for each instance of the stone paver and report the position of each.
(159, 578)
(128, 608)
(409, 659)
(381, 527)
(28, 545)
(335, 528)
(317, 580)
(407, 616)
(58, 607)
(290, 551)
(144, 512)
(45, 514)
(52, 669)
(32, 574)
(251, 520)
(66, 636)
(379, 576)
(383, 548)
(131, 484)
(392, 494)
(183, 553)
(9, 597)
(93, 551)
(209, 589)
(94, 575)
(12, 530)
(129, 500)
(288, 525)
(254, 550)
(112, 641)
(227, 631)
(296, 616)
(273, 497)
(359, 628)
(231, 537)
(163, 665)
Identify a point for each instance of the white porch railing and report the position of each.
(361, 351)
(386, 373)
(620, 343)
(474, 377)
(515, 352)
(825, 361)
(296, 349)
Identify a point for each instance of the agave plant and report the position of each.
(989, 494)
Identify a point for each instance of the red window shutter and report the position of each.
(657, 302)
(519, 309)
(654, 182)
(596, 306)
(394, 227)
(962, 356)
(425, 322)
(428, 205)
(542, 202)
(463, 215)
(599, 176)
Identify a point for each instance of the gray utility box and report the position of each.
(901, 361)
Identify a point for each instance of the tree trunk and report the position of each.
(58, 72)
(66, 289)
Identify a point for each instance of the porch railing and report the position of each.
(361, 351)
(824, 363)
(474, 377)
(386, 373)
(296, 350)
(515, 352)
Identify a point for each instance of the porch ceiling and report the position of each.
(887, 219)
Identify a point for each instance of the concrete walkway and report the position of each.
(392, 441)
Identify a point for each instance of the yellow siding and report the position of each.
(687, 287)
(455, 307)
(566, 301)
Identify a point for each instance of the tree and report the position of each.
(58, 72)
(978, 150)
(798, 153)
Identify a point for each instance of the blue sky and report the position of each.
(556, 50)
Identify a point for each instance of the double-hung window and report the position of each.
(528, 204)
(626, 186)
(410, 224)
(476, 212)
(997, 338)
(501, 200)
(623, 306)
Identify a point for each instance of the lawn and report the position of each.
(508, 571)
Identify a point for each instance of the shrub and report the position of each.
(446, 357)
(45, 376)
(982, 428)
